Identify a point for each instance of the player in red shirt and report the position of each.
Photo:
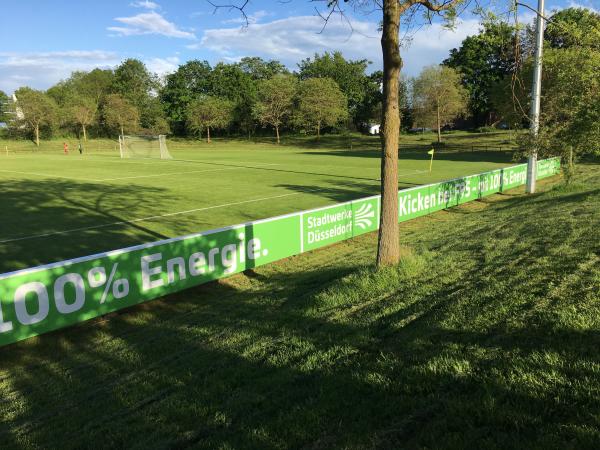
(66, 148)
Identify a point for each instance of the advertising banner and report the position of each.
(42, 299)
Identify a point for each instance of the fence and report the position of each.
(42, 299)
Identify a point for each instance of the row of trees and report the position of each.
(235, 97)
(485, 82)
(130, 99)
(311, 104)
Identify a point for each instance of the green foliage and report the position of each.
(275, 100)
(120, 114)
(259, 69)
(189, 82)
(136, 84)
(485, 336)
(361, 90)
(208, 113)
(38, 109)
(438, 97)
(4, 107)
(483, 60)
(573, 27)
(321, 104)
(83, 113)
(569, 119)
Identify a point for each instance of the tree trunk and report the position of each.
(277, 133)
(84, 133)
(318, 131)
(439, 124)
(208, 135)
(37, 135)
(388, 249)
(122, 133)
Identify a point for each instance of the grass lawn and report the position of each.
(56, 207)
(487, 335)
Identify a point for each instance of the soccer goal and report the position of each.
(144, 147)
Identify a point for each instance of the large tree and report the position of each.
(83, 113)
(119, 113)
(388, 249)
(275, 101)
(483, 60)
(209, 112)
(569, 119)
(359, 88)
(573, 27)
(438, 97)
(37, 108)
(190, 81)
(134, 82)
(321, 103)
(232, 82)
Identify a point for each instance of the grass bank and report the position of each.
(485, 336)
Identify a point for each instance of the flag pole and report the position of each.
(431, 152)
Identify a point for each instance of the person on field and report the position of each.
(80, 148)
(66, 148)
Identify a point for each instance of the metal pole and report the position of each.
(536, 91)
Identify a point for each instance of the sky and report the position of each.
(43, 41)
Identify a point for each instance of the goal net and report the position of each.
(144, 147)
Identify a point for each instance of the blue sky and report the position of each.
(42, 41)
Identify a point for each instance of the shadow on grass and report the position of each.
(474, 346)
(97, 215)
(476, 156)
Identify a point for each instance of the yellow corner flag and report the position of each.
(431, 152)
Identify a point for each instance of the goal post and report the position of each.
(144, 147)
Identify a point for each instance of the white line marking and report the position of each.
(47, 175)
(97, 180)
(169, 174)
(143, 219)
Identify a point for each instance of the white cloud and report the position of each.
(149, 23)
(163, 66)
(586, 5)
(44, 69)
(250, 18)
(146, 4)
(292, 39)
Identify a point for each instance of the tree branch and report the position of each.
(241, 8)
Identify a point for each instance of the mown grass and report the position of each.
(485, 336)
(56, 207)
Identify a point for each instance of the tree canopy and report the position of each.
(38, 110)
(438, 97)
(361, 90)
(208, 113)
(573, 27)
(119, 113)
(482, 61)
(321, 103)
(275, 101)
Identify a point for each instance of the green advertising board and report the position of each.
(42, 299)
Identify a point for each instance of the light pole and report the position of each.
(536, 91)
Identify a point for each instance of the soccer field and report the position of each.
(57, 206)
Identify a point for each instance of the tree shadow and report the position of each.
(44, 221)
(460, 353)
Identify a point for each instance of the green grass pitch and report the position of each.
(57, 206)
(485, 336)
